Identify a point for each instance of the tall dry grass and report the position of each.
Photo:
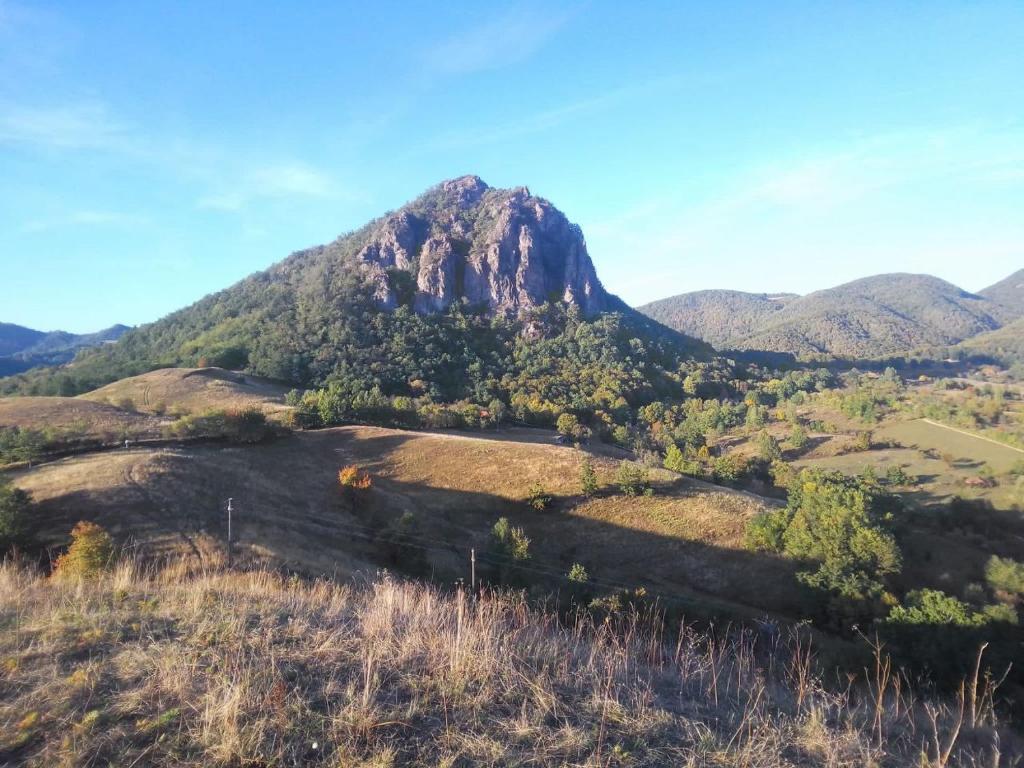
(181, 667)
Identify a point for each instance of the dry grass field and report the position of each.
(210, 667)
(685, 541)
(191, 390)
(84, 417)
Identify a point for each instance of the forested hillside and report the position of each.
(467, 293)
(24, 348)
(873, 317)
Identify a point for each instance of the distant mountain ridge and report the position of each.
(23, 348)
(1009, 293)
(873, 317)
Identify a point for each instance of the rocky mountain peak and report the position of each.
(464, 241)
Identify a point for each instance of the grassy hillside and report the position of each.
(75, 418)
(191, 390)
(249, 668)
(717, 317)
(869, 318)
(687, 540)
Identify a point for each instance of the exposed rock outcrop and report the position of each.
(463, 241)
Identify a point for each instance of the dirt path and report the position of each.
(972, 434)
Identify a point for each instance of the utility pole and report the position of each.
(472, 570)
(229, 532)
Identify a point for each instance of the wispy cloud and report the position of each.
(556, 116)
(502, 41)
(881, 198)
(86, 125)
(288, 180)
(86, 218)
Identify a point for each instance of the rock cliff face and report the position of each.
(463, 241)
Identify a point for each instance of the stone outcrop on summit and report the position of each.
(463, 241)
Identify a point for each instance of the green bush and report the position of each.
(508, 542)
(538, 498)
(1005, 575)
(14, 504)
(633, 479)
(588, 478)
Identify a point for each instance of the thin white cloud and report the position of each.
(501, 41)
(288, 180)
(885, 198)
(86, 218)
(556, 116)
(86, 125)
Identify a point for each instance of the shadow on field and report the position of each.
(287, 504)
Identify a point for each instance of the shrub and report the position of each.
(90, 553)
(677, 461)
(768, 447)
(538, 498)
(588, 478)
(863, 441)
(509, 543)
(633, 479)
(14, 504)
(1005, 575)
(578, 574)
(353, 477)
(896, 475)
(798, 438)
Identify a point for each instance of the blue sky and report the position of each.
(152, 153)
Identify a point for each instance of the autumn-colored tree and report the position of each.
(91, 551)
(353, 477)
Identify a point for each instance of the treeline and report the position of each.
(846, 533)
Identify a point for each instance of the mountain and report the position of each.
(1005, 344)
(1009, 293)
(14, 338)
(24, 348)
(876, 316)
(465, 292)
(717, 317)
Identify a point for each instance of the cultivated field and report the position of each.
(971, 450)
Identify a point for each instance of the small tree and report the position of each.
(798, 438)
(896, 475)
(538, 498)
(674, 459)
(14, 504)
(588, 478)
(355, 478)
(90, 553)
(633, 479)
(768, 447)
(508, 545)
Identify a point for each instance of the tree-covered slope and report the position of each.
(456, 295)
(25, 348)
(717, 317)
(872, 317)
(1009, 293)
(1005, 344)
